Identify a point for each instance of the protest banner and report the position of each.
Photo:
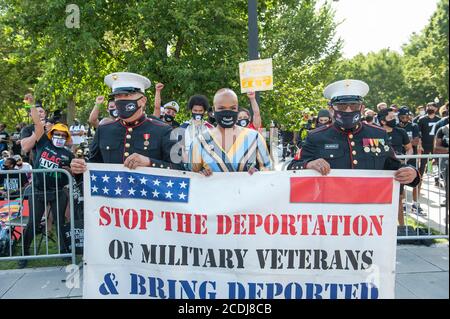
(154, 233)
(256, 75)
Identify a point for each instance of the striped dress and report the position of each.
(249, 150)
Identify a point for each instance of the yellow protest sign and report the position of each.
(256, 75)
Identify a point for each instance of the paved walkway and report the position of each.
(422, 273)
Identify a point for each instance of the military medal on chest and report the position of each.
(146, 142)
(366, 145)
(383, 143)
(372, 145)
(376, 142)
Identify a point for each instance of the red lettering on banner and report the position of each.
(377, 222)
(223, 224)
(300, 225)
(334, 224)
(128, 218)
(248, 224)
(267, 224)
(360, 225)
(346, 226)
(304, 223)
(255, 222)
(319, 226)
(185, 222)
(289, 223)
(239, 222)
(105, 219)
(168, 218)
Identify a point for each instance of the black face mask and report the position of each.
(243, 122)
(430, 111)
(197, 116)
(391, 123)
(168, 118)
(113, 113)
(211, 119)
(127, 108)
(227, 118)
(347, 120)
(404, 122)
(369, 118)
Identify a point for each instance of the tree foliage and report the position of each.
(192, 46)
(382, 71)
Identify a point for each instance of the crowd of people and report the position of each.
(222, 137)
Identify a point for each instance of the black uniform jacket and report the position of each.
(366, 147)
(115, 141)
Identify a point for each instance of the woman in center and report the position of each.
(228, 147)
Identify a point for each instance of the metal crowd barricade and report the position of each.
(433, 223)
(16, 202)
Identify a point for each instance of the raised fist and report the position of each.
(159, 86)
(100, 99)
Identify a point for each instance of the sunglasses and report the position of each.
(343, 107)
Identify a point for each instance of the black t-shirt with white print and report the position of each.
(49, 156)
(426, 125)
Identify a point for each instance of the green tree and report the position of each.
(382, 71)
(192, 46)
(426, 59)
(300, 39)
(19, 72)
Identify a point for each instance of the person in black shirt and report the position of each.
(50, 153)
(168, 113)
(27, 136)
(426, 125)
(412, 129)
(399, 140)
(420, 111)
(397, 137)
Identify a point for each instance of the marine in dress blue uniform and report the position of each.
(115, 142)
(348, 143)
